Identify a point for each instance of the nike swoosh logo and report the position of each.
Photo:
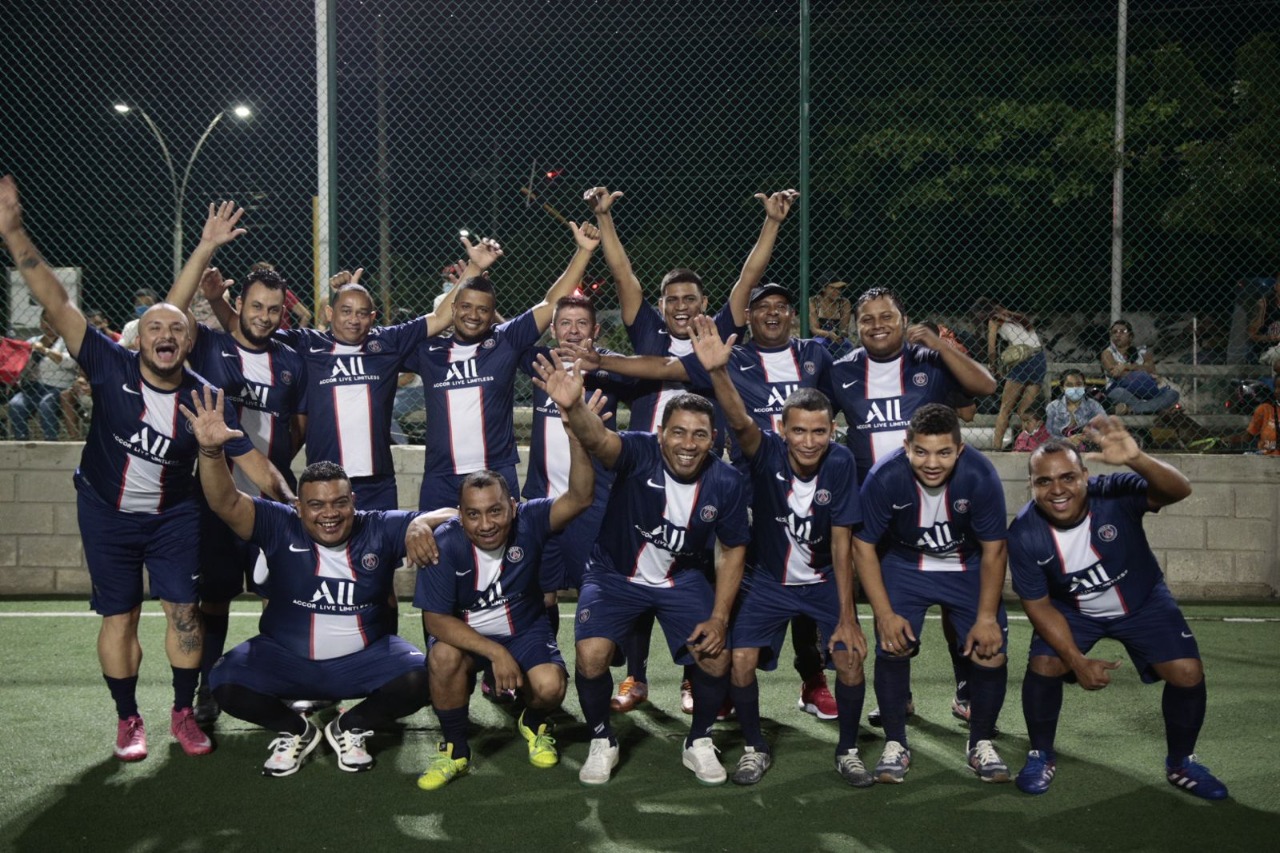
(416, 655)
(847, 384)
(1044, 562)
(780, 476)
(433, 349)
(463, 574)
(131, 390)
(229, 354)
(1187, 635)
(904, 506)
(653, 485)
(745, 366)
(299, 550)
(320, 349)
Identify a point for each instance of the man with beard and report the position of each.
(136, 489)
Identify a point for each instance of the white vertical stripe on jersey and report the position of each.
(799, 555)
(466, 428)
(355, 428)
(935, 513)
(653, 564)
(142, 489)
(884, 382)
(258, 425)
(780, 367)
(334, 635)
(495, 620)
(1077, 554)
(555, 455)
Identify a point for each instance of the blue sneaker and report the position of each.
(1194, 778)
(1037, 773)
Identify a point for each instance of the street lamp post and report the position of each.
(180, 189)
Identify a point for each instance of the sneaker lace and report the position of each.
(442, 762)
(542, 740)
(187, 729)
(753, 760)
(985, 752)
(852, 760)
(893, 752)
(354, 739)
(626, 686)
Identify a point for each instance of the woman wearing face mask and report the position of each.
(1068, 415)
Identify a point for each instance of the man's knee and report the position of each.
(592, 656)
(744, 666)
(446, 662)
(1048, 666)
(547, 684)
(1184, 672)
(848, 667)
(714, 665)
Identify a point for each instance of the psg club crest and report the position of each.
(286, 377)
(961, 505)
(489, 343)
(190, 426)
(584, 614)
(369, 561)
(1107, 532)
(810, 368)
(709, 513)
(822, 497)
(374, 346)
(515, 554)
(920, 380)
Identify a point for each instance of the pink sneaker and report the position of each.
(131, 739)
(183, 726)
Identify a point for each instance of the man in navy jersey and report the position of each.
(666, 333)
(352, 373)
(936, 511)
(898, 368)
(323, 632)
(468, 379)
(805, 501)
(482, 603)
(1084, 571)
(265, 381)
(671, 502)
(764, 372)
(136, 489)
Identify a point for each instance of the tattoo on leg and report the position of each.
(186, 622)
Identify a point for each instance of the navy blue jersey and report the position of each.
(878, 398)
(266, 387)
(351, 389)
(140, 453)
(793, 516)
(548, 475)
(1101, 567)
(470, 396)
(495, 592)
(649, 336)
(657, 525)
(327, 602)
(933, 529)
(764, 378)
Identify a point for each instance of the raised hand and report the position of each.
(778, 205)
(220, 227)
(1116, 446)
(453, 272)
(600, 200)
(207, 421)
(586, 235)
(584, 354)
(213, 286)
(711, 351)
(483, 254)
(10, 207)
(596, 404)
(918, 333)
(564, 387)
(338, 279)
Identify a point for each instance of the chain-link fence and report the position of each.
(951, 150)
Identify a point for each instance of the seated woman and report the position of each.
(1135, 386)
(1068, 415)
(829, 314)
(1013, 349)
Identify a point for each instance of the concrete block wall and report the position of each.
(1221, 543)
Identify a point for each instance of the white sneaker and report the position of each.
(349, 746)
(700, 757)
(289, 751)
(602, 757)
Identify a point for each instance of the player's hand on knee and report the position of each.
(850, 635)
(984, 640)
(708, 637)
(506, 672)
(896, 636)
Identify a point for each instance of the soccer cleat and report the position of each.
(816, 698)
(700, 757)
(686, 696)
(131, 739)
(443, 769)
(542, 746)
(852, 770)
(894, 763)
(630, 694)
(1194, 778)
(986, 762)
(1037, 773)
(602, 757)
(751, 766)
(289, 751)
(960, 709)
(873, 719)
(349, 746)
(207, 710)
(182, 723)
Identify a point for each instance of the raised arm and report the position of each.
(971, 376)
(63, 314)
(1165, 484)
(214, 288)
(565, 388)
(663, 367)
(713, 354)
(230, 504)
(630, 293)
(220, 228)
(776, 208)
(587, 239)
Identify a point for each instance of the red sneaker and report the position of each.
(816, 698)
(131, 739)
(182, 723)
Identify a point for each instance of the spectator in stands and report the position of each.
(143, 299)
(1264, 328)
(1264, 426)
(1068, 415)
(100, 322)
(50, 372)
(1135, 387)
(1034, 432)
(829, 314)
(1014, 351)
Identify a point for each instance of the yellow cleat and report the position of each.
(542, 746)
(443, 769)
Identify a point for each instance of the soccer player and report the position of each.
(352, 373)
(482, 604)
(468, 379)
(323, 632)
(671, 502)
(805, 492)
(266, 382)
(937, 510)
(137, 491)
(666, 333)
(898, 368)
(1084, 571)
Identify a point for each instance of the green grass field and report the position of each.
(60, 788)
